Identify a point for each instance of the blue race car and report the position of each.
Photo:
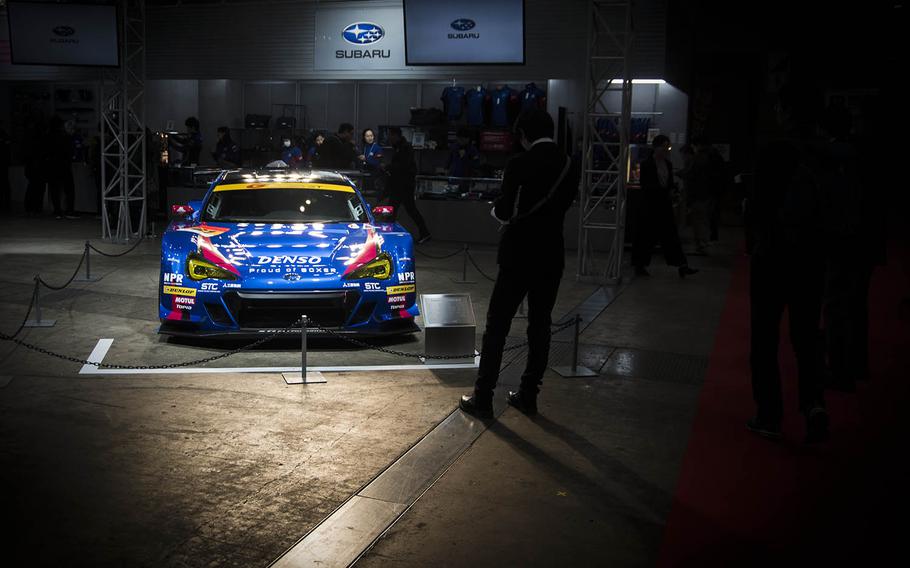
(265, 247)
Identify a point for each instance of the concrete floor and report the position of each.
(590, 480)
(191, 469)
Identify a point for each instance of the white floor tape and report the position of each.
(104, 345)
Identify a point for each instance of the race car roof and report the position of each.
(279, 176)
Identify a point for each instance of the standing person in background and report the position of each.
(312, 154)
(464, 159)
(60, 169)
(227, 152)
(787, 271)
(35, 150)
(857, 245)
(719, 182)
(655, 222)
(371, 160)
(371, 154)
(338, 152)
(699, 189)
(291, 154)
(402, 170)
(4, 170)
(191, 146)
(537, 189)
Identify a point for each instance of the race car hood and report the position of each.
(291, 252)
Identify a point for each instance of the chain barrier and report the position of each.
(364, 344)
(68, 282)
(28, 312)
(115, 255)
(420, 252)
(202, 361)
(258, 342)
(477, 266)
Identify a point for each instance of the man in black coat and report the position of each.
(402, 170)
(338, 152)
(787, 271)
(537, 189)
(654, 218)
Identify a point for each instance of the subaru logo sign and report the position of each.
(292, 277)
(363, 33)
(63, 31)
(463, 24)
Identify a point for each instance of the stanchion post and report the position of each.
(575, 370)
(39, 321)
(303, 377)
(88, 266)
(464, 268)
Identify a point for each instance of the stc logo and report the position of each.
(362, 33)
(463, 24)
(63, 31)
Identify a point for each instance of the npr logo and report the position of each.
(171, 278)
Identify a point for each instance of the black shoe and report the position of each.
(523, 402)
(686, 271)
(816, 425)
(763, 428)
(641, 271)
(473, 406)
(424, 239)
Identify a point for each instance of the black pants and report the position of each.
(34, 195)
(847, 319)
(796, 284)
(512, 284)
(655, 224)
(404, 196)
(63, 192)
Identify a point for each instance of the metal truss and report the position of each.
(123, 152)
(602, 209)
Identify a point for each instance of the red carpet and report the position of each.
(745, 501)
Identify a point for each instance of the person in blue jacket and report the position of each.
(371, 159)
(312, 154)
(291, 154)
(371, 155)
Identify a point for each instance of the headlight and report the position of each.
(379, 268)
(199, 269)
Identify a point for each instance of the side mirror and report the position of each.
(384, 213)
(182, 210)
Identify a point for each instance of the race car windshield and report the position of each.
(284, 206)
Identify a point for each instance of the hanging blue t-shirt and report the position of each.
(532, 97)
(475, 99)
(499, 106)
(452, 98)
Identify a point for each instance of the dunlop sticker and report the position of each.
(396, 290)
(178, 291)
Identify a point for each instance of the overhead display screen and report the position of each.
(63, 34)
(466, 32)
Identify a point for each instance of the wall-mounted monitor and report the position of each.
(63, 34)
(465, 32)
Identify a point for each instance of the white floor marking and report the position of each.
(97, 356)
(104, 345)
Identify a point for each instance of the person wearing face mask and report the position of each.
(291, 154)
(538, 187)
